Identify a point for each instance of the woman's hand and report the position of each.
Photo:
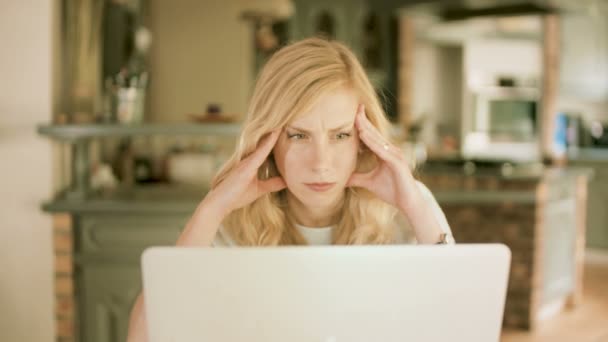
(242, 186)
(391, 180)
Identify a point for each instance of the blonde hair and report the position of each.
(289, 84)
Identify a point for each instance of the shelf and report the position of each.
(79, 136)
(74, 132)
(152, 199)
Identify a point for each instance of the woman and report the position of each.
(313, 165)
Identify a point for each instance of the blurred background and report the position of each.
(115, 114)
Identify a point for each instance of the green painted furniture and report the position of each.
(597, 199)
(107, 254)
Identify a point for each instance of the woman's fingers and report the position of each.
(362, 180)
(373, 139)
(273, 184)
(257, 158)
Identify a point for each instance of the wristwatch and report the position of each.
(443, 239)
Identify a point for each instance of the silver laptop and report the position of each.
(326, 294)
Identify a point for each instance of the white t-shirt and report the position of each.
(322, 235)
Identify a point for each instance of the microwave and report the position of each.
(503, 125)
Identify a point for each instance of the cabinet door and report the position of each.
(108, 251)
(584, 53)
(107, 294)
(597, 211)
(114, 236)
(597, 204)
(559, 242)
(341, 18)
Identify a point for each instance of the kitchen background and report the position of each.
(115, 115)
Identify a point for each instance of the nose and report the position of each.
(321, 157)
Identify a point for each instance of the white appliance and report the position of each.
(504, 125)
(422, 293)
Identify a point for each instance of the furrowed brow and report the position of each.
(346, 125)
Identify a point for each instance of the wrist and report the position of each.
(411, 199)
(213, 205)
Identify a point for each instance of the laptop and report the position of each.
(326, 293)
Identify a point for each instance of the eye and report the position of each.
(296, 136)
(342, 136)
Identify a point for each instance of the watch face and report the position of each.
(442, 239)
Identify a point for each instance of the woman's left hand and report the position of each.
(392, 180)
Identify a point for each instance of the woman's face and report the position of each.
(320, 146)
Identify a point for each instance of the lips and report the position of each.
(320, 187)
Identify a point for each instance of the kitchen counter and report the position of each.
(589, 155)
(521, 185)
(451, 185)
(540, 216)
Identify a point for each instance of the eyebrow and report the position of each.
(343, 126)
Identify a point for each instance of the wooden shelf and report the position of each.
(79, 136)
(76, 132)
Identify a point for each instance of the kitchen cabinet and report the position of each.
(584, 56)
(558, 248)
(339, 20)
(539, 216)
(597, 235)
(107, 232)
(107, 294)
(369, 29)
(108, 274)
(597, 203)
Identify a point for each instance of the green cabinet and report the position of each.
(115, 236)
(369, 29)
(559, 225)
(108, 248)
(106, 293)
(597, 204)
(340, 20)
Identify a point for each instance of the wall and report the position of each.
(584, 54)
(28, 30)
(584, 65)
(437, 85)
(201, 52)
(486, 58)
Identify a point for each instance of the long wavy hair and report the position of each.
(289, 84)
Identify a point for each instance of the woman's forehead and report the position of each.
(331, 110)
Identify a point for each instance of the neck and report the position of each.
(314, 216)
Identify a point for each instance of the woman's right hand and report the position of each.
(241, 186)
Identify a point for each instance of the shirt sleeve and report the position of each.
(437, 212)
(222, 239)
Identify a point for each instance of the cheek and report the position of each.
(291, 163)
(346, 156)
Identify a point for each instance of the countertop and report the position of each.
(519, 185)
(143, 199)
(172, 199)
(593, 155)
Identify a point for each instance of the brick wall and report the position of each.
(513, 224)
(65, 305)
